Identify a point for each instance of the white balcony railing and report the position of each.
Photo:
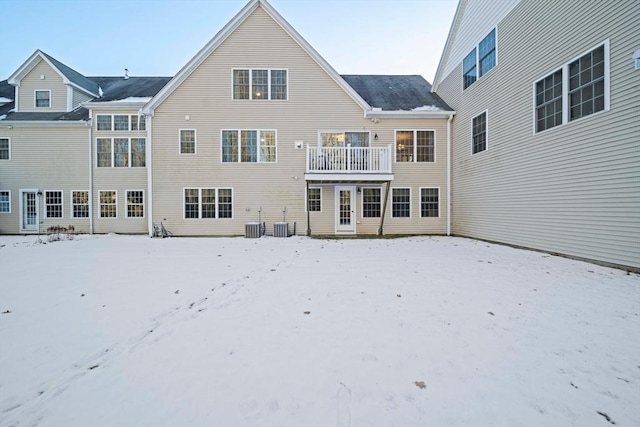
(349, 159)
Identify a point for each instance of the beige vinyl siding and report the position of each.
(52, 81)
(315, 102)
(79, 97)
(573, 189)
(46, 159)
(119, 179)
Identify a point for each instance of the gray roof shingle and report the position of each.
(73, 76)
(116, 88)
(396, 93)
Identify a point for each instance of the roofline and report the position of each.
(113, 105)
(401, 114)
(42, 123)
(225, 32)
(445, 50)
(15, 78)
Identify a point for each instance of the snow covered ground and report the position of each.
(107, 331)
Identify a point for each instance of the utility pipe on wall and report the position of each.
(449, 175)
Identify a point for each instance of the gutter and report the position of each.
(449, 175)
(403, 114)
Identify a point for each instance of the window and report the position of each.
(80, 204)
(5, 201)
(187, 141)
(248, 146)
(135, 204)
(53, 204)
(479, 133)
(208, 203)
(401, 202)
(5, 149)
(138, 123)
(415, 146)
(108, 205)
(578, 89)
(344, 139)
(314, 199)
(260, 84)
(480, 60)
(120, 152)
(43, 98)
(469, 69)
(120, 122)
(429, 202)
(487, 53)
(371, 202)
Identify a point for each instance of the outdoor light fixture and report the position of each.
(375, 136)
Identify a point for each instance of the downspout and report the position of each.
(449, 175)
(308, 214)
(148, 161)
(90, 124)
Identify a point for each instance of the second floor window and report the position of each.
(43, 98)
(260, 84)
(480, 60)
(120, 152)
(415, 146)
(248, 146)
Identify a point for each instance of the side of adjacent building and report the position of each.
(546, 150)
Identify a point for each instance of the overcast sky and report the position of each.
(158, 37)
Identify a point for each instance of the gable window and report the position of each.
(120, 152)
(43, 98)
(314, 199)
(248, 146)
(429, 202)
(578, 89)
(415, 146)
(208, 203)
(479, 133)
(5, 201)
(187, 141)
(5, 149)
(480, 60)
(108, 205)
(259, 84)
(371, 202)
(401, 202)
(53, 204)
(135, 204)
(80, 204)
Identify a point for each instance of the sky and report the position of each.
(158, 37)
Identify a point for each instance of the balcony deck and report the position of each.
(348, 163)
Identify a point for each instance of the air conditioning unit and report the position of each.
(281, 229)
(252, 230)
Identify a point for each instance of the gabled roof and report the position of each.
(69, 75)
(226, 31)
(397, 93)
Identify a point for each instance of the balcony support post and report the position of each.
(384, 209)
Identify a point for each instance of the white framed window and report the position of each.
(344, 139)
(5, 201)
(108, 204)
(187, 141)
(5, 148)
(135, 204)
(79, 204)
(429, 202)
(371, 202)
(480, 60)
(578, 89)
(208, 203)
(103, 122)
(53, 204)
(401, 203)
(260, 84)
(120, 122)
(416, 146)
(479, 133)
(248, 146)
(120, 152)
(138, 123)
(314, 199)
(42, 98)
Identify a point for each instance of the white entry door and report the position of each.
(29, 217)
(345, 209)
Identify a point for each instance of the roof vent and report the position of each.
(126, 73)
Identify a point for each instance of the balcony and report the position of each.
(348, 164)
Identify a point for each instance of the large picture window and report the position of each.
(260, 84)
(120, 152)
(578, 89)
(248, 146)
(208, 203)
